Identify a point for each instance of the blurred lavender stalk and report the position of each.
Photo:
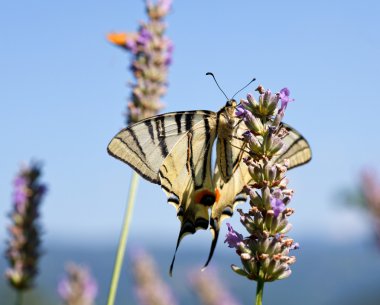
(366, 196)
(152, 55)
(23, 245)
(264, 252)
(150, 287)
(209, 288)
(78, 287)
(370, 187)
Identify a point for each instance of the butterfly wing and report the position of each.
(230, 176)
(297, 150)
(174, 151)
(145, 144)
(187, 180)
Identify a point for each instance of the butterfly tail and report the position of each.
(188, 227)
(214, 228)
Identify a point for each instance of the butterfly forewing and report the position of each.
(146, 144)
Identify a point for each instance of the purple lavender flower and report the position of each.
(152, 54)
(149, 287)
(165, 5)
(131, 45)
(78, 287)
(23, 248)
(144, 37)
(240, 111)
(20, 194)
(264, 251)
(277, 205)
(159, 10)
(284, 97)
(233, 238)
(210, 289)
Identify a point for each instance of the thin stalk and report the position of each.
(123, 239)
(259, 292)
(19, 297)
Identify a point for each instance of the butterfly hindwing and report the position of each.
(297, 149)
(187, 179)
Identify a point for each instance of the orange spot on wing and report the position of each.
(199, 195)
(217, 195)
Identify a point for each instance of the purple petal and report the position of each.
(165, 5)
(233, 238)
(284, 97)
(240, 111)
(131, 45)
(277, 205)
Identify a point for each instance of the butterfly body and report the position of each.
(174, 150)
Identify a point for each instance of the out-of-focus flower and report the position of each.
(370, 186)
(210, 289)
(264, 252)
(23, 246)
(366, 196)
(152, 55)
(150, 288)
(78, 287)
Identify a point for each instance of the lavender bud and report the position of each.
(78, 287)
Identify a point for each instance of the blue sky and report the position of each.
(63, 92)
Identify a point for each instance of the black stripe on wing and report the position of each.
(298, 156)
(131, 164)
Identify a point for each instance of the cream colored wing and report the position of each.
(186, 177)
(145, 145)
(230, 176)
(297, 150)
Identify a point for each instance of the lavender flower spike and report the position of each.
(210, 289)
(23, 246)
(264, 251)
(150, 288)
(152, 54)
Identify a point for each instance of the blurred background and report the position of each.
(63, 95)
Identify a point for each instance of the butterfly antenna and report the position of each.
(245, 86)
(209, 73)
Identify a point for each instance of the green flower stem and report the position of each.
(123, 239)
(259, 292)
(19, 297)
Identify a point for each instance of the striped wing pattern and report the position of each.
(297, 150)
(175, 153)
(145, 145)
(187, 179)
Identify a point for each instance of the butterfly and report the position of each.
(174, 151)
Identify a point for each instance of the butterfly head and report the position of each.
(229, 110)
(231, 103)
